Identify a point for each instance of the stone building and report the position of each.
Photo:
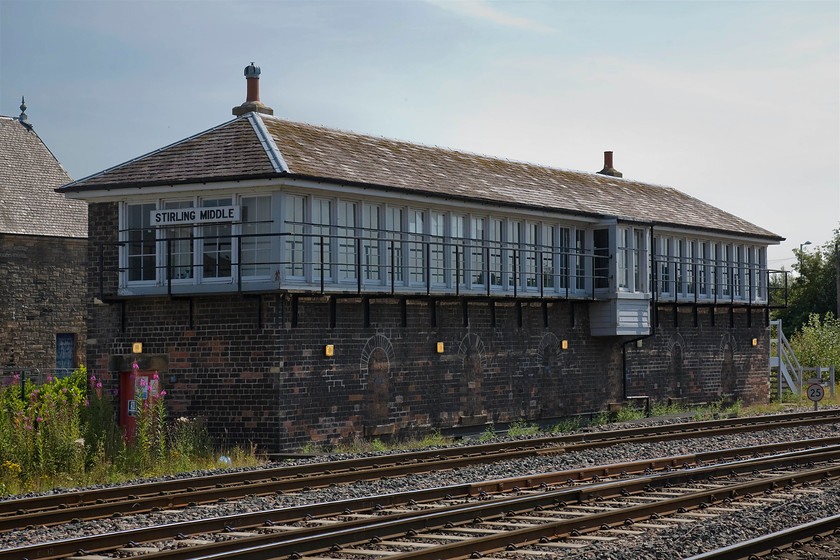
(291, 282)
(43, 252)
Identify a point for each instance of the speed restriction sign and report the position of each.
(816, 392)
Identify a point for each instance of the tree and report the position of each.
(817, 343)
(814, 290)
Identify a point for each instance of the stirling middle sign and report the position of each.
(182, 216)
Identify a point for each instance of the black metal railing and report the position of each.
(408, 263)
(326, 263)
(706, 281)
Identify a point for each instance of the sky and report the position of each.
(734, 103)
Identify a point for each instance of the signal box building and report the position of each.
(291, 282)
(43, 252)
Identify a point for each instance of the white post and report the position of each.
(831, 378)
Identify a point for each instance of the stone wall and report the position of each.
(42, 291)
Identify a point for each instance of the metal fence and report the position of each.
(17, 377)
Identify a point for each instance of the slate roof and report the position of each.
(252, 145)
(29, 174)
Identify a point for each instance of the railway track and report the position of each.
(817, 539)
(140, 498)
(375, 518)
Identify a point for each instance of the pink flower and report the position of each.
(40, 419)
(155, 376)
(86, 402)
(16, 377)
(134, 366)
(28, 427)
(143, 381)
(163, 393)
(49, 379)
(64, 389)
(98, 384)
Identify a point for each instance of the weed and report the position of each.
(567, 425)
(664, 409)
(64, 433)
(489, 434)
(625, 414)
(602, 418)
(313, 448)
(435, 439)
(521, 428)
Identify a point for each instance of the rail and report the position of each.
(394, 506)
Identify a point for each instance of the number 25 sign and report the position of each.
(816, 392)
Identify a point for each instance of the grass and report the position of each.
(361, 445)
(63, 434)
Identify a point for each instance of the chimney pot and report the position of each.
(252, 95)
(252, 78)
(608, 166)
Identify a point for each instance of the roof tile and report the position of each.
(29, 174)
(234, 150)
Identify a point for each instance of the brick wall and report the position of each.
(240, 363)
(42, 290)
(703, 357)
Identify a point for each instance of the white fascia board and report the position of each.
(712, 236)
(385, 196)
(268, 144)
(172, 191)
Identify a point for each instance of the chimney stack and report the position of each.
(252, 96)
(608, 166)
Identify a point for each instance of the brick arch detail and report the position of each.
(728, 338)
(376, 342)
(549, 341)
(676, 340)
(473, 342)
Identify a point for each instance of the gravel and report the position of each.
(717, 532)
(700, 536)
